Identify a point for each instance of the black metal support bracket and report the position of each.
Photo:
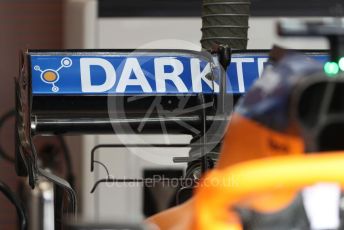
(26, 156)
(333, 31)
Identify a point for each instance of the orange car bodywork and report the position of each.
(246, 140)
(215, 199)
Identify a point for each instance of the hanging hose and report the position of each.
(225, 22)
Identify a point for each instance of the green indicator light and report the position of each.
(341, 63)
(331, 68)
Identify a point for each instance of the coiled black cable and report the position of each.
(65, 149)
(3, 119)
(4, 189)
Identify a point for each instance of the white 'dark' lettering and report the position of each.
(167, 72)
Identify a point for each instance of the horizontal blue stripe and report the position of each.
(65, 75)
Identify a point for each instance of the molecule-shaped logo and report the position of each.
(51, 76)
